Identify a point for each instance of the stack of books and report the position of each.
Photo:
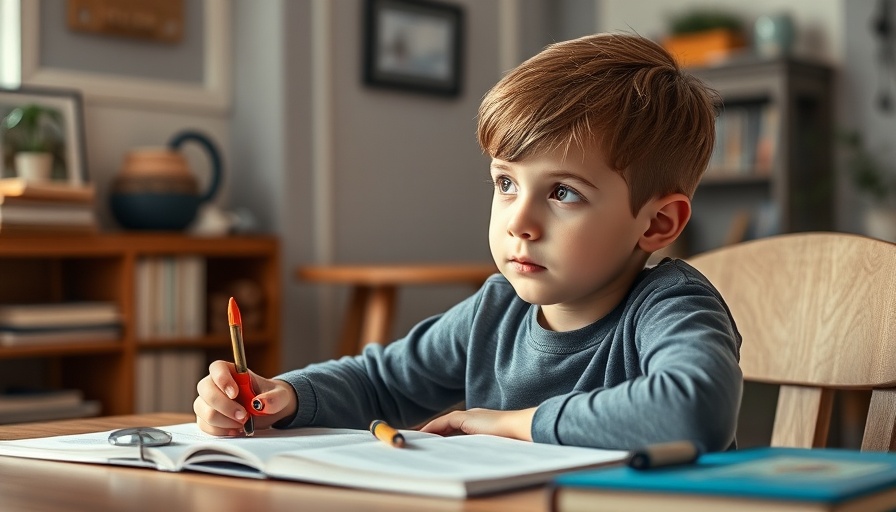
(59, 322)
(19, 406)
(46, 207)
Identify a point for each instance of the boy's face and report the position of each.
(562, 233)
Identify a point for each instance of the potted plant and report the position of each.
(32, 134)
(698, 36)
(874, 180)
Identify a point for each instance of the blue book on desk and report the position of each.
(752, 479)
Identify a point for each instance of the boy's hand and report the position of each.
(514, 424)
(217, 411)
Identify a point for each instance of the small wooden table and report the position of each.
(371, 309)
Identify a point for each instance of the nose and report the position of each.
(523, 221)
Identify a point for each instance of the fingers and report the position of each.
(444, 425)
(221, 373)
(211, 422)
(216, 411)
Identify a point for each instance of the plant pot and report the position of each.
(880, 222)
(34, 166)
(701, 48)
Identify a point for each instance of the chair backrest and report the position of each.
(817, 312)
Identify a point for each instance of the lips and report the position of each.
(525, 265)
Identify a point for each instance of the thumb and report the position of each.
(272, 401)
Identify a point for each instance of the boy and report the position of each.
(597, 145)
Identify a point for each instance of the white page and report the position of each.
(450, 466)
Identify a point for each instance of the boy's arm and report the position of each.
(403, 383)
(690, 386)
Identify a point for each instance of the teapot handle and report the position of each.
(214, 157)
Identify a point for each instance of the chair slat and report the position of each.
(802, 417)
(880, 427)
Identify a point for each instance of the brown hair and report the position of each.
(654, 123)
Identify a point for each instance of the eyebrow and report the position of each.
(558, 174)
(566, 175)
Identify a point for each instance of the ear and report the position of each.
(668, 217)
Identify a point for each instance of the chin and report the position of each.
(531, 294)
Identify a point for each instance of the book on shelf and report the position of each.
(734, 121)
(452, 467)
(85, 409)
(57, 314)
(19, 337)
(170, 297)
(767, 140)
(47, 190)
(18, 406)
(754, 479)
(746, 140)
(42, 214)
(24, 399)
(166, 379)
(59, 322)
(41, 207)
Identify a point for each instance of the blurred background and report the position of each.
(343, 172)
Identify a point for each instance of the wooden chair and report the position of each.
(817, 312)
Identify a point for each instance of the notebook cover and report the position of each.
(820, 475)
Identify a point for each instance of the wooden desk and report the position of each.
(38, 486)
(371, 309)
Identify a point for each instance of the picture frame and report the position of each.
(70, 155)
(212, 92)
(414, 45)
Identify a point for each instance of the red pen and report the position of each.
(246, 396)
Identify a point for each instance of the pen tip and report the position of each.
(233, 313)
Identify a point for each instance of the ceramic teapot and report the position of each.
(155, 189)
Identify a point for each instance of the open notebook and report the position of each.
(455, 467)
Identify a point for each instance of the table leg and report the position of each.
(350, 344)
(378, 316)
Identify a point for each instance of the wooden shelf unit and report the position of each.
(102, 267)
(798, 185)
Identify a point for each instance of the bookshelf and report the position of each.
(774, 155)
(38, 269)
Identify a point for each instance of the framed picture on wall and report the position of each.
(415, 45)
(192, 75)
(44, 121)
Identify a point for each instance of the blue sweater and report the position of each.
(662, 366)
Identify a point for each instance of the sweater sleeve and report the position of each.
(404, 383)
(689, 385)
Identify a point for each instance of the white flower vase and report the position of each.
(880, 222)
(34, 166)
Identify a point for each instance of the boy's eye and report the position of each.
(565, 194)
(505, 185)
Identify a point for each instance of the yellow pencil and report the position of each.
(386, 434)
